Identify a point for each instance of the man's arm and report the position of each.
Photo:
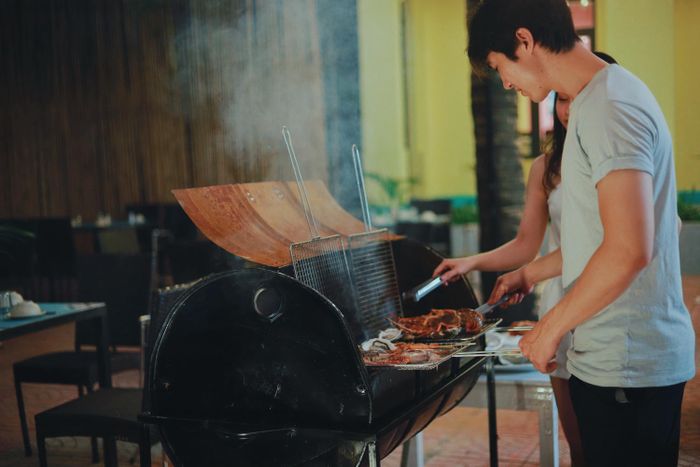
(625, 200)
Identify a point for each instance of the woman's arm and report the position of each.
(522, 249)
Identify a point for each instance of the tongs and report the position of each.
(488, 307)
(423, 289)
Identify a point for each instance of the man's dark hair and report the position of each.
(492, 28)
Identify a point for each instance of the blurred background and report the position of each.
(109, 105)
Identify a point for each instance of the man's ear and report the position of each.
(524, 37)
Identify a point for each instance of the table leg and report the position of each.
(104, 369)
(549, 433)
(491, 396)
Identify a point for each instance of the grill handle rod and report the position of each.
(357, 162)
(310, 219)
(489, 353)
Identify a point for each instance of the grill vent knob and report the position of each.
(267, 302)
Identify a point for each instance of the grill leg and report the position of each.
(491, 395)
(373, 454)
(412, 454)
(110, 451)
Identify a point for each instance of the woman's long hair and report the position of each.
(555, 144)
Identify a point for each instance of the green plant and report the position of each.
(688, 211)
(465, 214)
(397, 190)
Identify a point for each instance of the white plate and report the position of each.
(9, 316)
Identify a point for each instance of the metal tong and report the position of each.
(488, 307)
(421, 290)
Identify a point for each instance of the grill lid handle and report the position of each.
(310, 219)
(359, 176)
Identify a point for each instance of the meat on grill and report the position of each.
(405, 353)
(434, 324)
(471, 320)
(441, 323)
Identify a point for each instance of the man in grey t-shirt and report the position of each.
(633, 345)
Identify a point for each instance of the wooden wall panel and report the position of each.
(110, 102)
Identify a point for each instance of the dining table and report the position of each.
(56, 314)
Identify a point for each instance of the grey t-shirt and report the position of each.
(645, 337)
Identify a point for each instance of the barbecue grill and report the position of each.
(252, 367)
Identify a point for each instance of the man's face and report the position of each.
(522, 75)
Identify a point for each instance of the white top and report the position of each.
(645, 337)
(553, 291)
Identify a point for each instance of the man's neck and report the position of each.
(571, 71)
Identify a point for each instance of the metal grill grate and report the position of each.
(321, 264)
(376, 286)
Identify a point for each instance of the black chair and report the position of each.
(118, 241)
(111, 413)
(438, 206)
(168, 216)
(18, 256)
(122, 282)
(41, 267)
(188, 260)
(56, 258)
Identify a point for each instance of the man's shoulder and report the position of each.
(617, 87)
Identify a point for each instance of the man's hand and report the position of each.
(540, 346)
(516, 283)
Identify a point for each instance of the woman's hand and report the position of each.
(451, 269)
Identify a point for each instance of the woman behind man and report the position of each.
(542, 203)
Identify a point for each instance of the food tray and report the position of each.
(443, 352)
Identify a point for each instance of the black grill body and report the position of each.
(253, 368)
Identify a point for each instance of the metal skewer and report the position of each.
(491, 353)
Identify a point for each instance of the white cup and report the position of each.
(9, 298)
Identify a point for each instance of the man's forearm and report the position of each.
(606, 276)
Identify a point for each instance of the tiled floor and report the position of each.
(459, 438)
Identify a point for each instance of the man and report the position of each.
(633, 344)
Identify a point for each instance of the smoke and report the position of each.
(248, 70)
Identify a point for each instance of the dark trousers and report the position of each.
(628, 426)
